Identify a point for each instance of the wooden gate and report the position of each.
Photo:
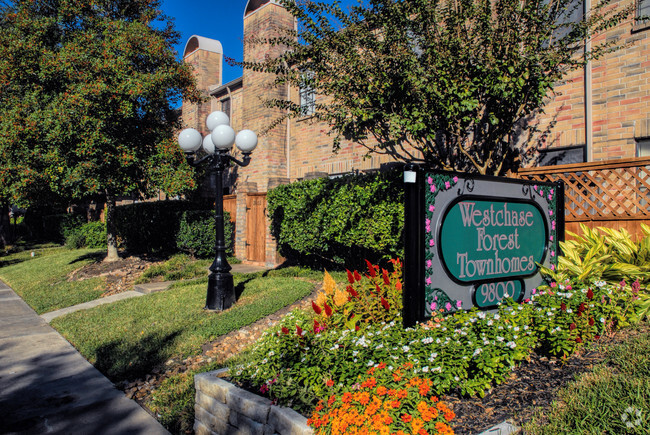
(256, 227)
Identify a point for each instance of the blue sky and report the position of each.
(222, 20)
(217, 19)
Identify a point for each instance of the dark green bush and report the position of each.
(339, 221)
(89, 235)
(151, 227)
(196, 233)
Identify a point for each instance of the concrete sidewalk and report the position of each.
(46, 386)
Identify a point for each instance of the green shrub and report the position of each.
(339, 221)
(89, 235)
(196, 233)
(151, 227)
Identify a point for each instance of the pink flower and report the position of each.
(429, 264)
(455, 179)
(448, 306)
(552, 266)
(459, 304)
(551, 191)
(447, 185)
(434, 306)
(432, 208)
(553, 224)
(430, 180)
(534, 290)
(553, 285)
(550, 212)
(550, 197)
(433, 188)
(428, 281)
(535, 187)
(432, 242)
(552, 253)
(551, 238)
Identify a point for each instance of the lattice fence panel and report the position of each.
(601, 190)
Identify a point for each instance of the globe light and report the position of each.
(208, 146)
(215, 119)
(223, 136)
(190, 140)
(246, 141)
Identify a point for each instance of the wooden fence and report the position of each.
(614, 193)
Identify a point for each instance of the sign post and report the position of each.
(472, 241)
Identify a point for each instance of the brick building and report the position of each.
(599, 113)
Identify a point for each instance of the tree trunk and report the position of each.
(111, 240)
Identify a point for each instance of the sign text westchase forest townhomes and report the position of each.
(472, 241)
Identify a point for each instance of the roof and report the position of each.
(196, 42)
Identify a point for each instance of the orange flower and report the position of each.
(369, 383)
(329, 383)
(381, 366)
(331, 400)
(449, 415)
(347, 396)
(381, 390)
(406, 418)
(401, 394)
(417, 424)
(395, 404)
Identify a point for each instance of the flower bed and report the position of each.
(312, 359)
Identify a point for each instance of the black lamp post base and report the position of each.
(221, 291)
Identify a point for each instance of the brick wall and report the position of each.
(620, 98)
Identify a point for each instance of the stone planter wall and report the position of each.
(222, 408)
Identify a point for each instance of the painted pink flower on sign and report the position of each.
(428, 280)
(433, 188)
(447, 185)
(455, 179)
(432, 208)
(432, 242)
(459, 304)
(430, 180)
(448, 306)
(434, 306)
(429, 263)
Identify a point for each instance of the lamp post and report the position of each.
(217, 146)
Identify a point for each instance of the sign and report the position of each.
(472, 241)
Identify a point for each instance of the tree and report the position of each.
(86, 88)
(448, 82)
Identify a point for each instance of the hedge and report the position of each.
(153, 227)
(339, 221)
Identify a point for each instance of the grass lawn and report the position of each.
(127, 339)
(42, 280)
(613, 398)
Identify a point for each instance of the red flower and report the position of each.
(329, 383)
(328, 310)
(590, 294)
(299, 331)
(398, 286)
(406, 418)
(572, 326)
(385, 304)
(316, 308)
(357, 276)
(371, 269)
(285, 330)
(563, 306)
(578, 340)
(384, 273)
(352, 292)
(350, 277)
(582, 307)
(591, 321)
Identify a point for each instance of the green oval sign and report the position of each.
(484, 240)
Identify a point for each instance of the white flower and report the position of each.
(425, 369)
(405, 349)
(370, 363)
(427, 340)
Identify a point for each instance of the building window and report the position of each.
(643, 9)
(307, 95)
(562, 156)
(643, 147)
(225, 106)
